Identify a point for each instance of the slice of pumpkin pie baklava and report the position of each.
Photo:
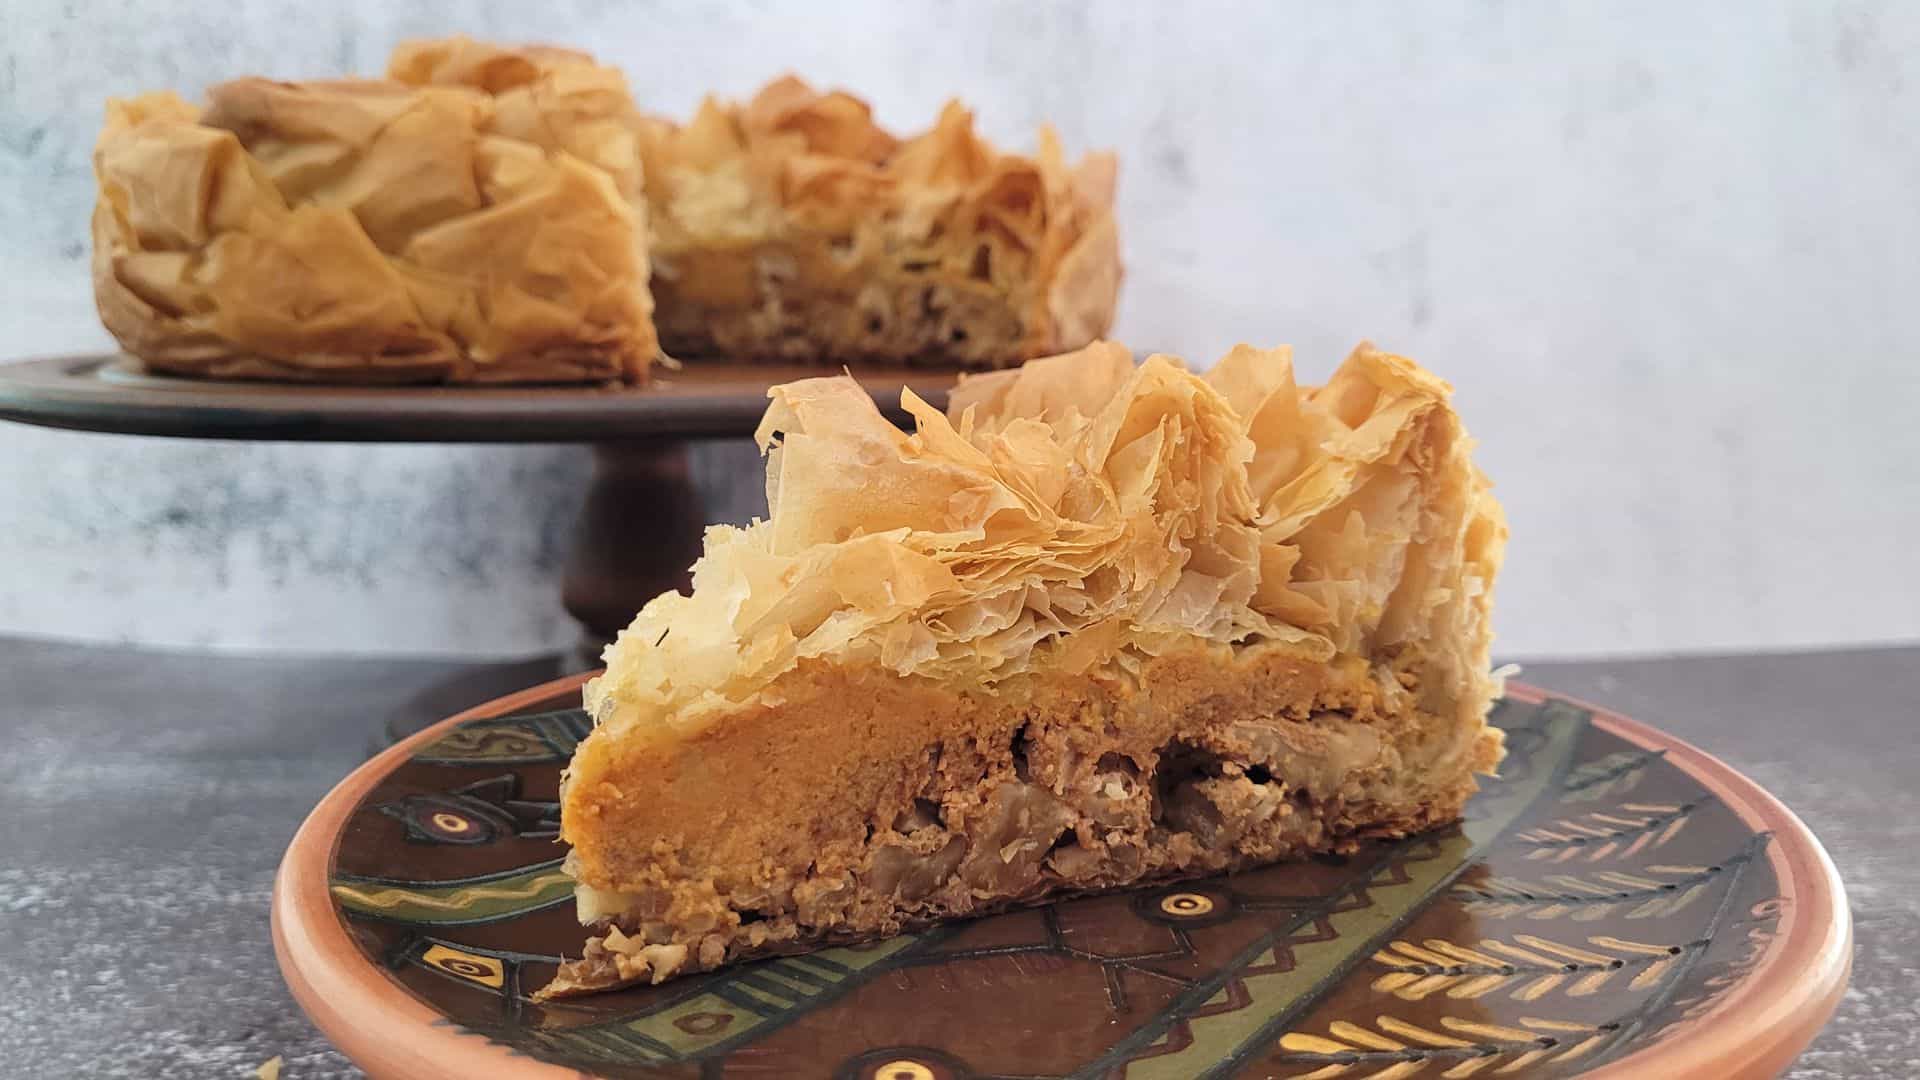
(1098, 623)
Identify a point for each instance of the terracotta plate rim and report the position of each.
(1755, 1030)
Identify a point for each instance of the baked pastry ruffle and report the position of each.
(795, 227)
(1095, 624)
(369, 231)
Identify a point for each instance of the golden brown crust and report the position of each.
(1082, 503)
(367, 231)
(555, 98)
(794, 227)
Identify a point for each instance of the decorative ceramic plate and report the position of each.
(1617, 903)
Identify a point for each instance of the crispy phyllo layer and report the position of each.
(795, 227)
(362, 230)
(1081, 508)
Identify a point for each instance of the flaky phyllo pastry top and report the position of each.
(799, 165)
(1083, 511)
(483, 231)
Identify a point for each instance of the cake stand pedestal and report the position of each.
(640, 527)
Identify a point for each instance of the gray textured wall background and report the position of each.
(1670, 255)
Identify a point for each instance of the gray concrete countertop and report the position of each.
(145, 798)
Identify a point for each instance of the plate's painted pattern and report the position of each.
(1595, 898)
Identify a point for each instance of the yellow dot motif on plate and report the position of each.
(484, 970)
(452, 823)
(904, 1069)
(1186, 904)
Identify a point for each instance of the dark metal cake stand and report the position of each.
(640, 528)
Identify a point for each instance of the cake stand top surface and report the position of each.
(109, 393)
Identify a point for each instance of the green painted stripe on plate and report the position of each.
(792, 987)
(805, 976)
(767, 989)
